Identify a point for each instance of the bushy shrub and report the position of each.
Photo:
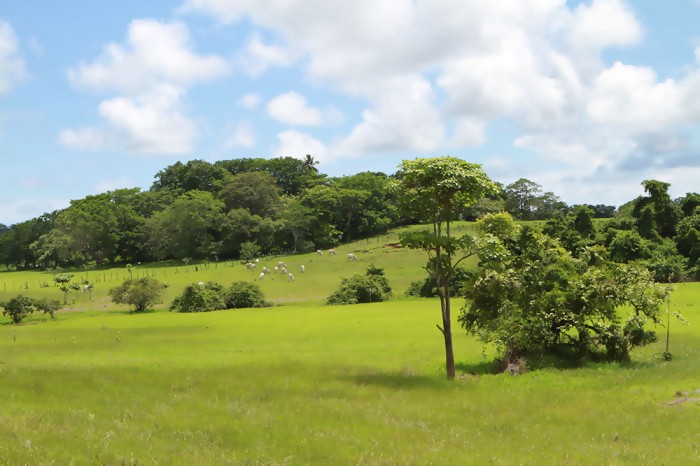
(138, 292)
(19, 307)
(372, 287)
(244, 294)
(199, 298)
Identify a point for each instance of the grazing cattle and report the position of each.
(277, 269)
(257, 261)
(266, 270)
(281, 264)
(283, 269)
(319, 252)
(86, 288)
(250, 266)
(200, 283)
(352, 257)
(302, 269)
(332, 252)
(291, 277)
(261, 276)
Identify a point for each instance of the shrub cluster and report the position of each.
(19, 307)
(372, 287)
(211, 296)
(426, 288)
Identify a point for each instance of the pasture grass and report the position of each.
(321, 278)
(300, 384)
(304, 383)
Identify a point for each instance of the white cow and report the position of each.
(291, 277)
(281, 264)
(303, 268)
(319, 252)
(352, 257)
(200, 283)
(250, 266)
(261, 276)
(332, 252)
(266, 270)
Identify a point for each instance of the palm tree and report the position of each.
(310, 163)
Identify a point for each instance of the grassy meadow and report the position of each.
(305, 383)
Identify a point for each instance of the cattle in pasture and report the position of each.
(319, 252)
(250, 266)
(302, 268)
(261, 276)
(86, 288)
(291, 277)
(200, 283)
(352, 257)
(332, 252)
(265, 270)
(281, 264)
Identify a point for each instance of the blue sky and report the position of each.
(586, 98)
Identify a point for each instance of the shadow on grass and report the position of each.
(396, 380)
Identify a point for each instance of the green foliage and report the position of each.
(199, 297)
(18, 308)
(64, 282)
(372, 287)
(426, 288)
(138, 292)
(628, 246)
(243, 294)
(249, 250)
(531, 296)
(256, 192)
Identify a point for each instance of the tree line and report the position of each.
(239, 208)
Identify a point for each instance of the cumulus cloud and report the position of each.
(291, 108)
(435, 74)
(12, 67)
(150, 75)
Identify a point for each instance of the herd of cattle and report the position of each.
(281, 267)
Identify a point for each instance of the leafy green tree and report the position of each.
(521, 198)
(18, 308)
(255, 191)
(689, 203)
(435, 190)
(628, 246)
(243, 294)
(249, 250)
(296, 221)
(200, 297)
(195, 175)
(583, 223)
(64, 281)
(187, 228)
(666, 212)
(531, 297)
(138, 292)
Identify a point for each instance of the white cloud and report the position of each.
(291, 108)
(151, 75)
(153, 123)
(155, 52)
(296, 144)
(434, 74)
(12, 67)
(604, 23)
(249, 101)
(242, 136)
(87, 139)
(258, 57)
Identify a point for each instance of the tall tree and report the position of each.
(435, 190)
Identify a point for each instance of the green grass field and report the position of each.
(304, 383)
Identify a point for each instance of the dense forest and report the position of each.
(241, 208)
